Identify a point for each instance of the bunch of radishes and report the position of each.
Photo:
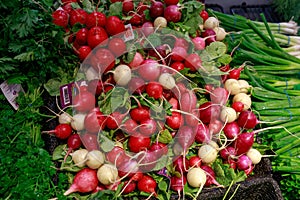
(162, 120)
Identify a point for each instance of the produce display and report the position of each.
(160, 102)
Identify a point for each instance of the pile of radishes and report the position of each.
(137, 114)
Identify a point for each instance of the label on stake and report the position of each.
(11, 92)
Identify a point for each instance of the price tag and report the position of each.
(129, 35)
(11, 92)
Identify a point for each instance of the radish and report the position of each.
(237, 106)
(211, 23)
(159, 149)
(122, 74)
(148, 127)
(61, 131)
(95, 19)
(147, 184)
(60, 18)
(107, 174)
(196, 177)
(188, 101)
(235, 73)
(147, 28)
(140, 113)
(193, 62)
(84, 181)
(90, 141)
(130, 126)
(177, 183)
(167, 81)
(97, 36)
(181, 164)
(78, 157)
(147, 161)
(228, 114)
(208, 112)
(117, 46)
(220, 33)
(227, 153)
(199, 43)
(94, 159)
(154, 89)
(74, 142)
(194, 161)
(219, 96)
(244, 162)
(232, 86)
(202, 135)
(210, 36)
(114, 120)
(114, 25)
(160, 22)
(138, 143)
(156, 9)
(247, 119)
(175, 121)
(178, 66)
(95, 121)
(136, 85)
(116, 156)
(208, 153)
(149, 70)
(128, 187)
(172, 13)
(186, 137)
(210, 176)
(244, 142)
(215, 126)
(244, 85)
(178, 53)
(254, 155)
(136, 61)
(244, 98)
(231, 130)
(84, 101)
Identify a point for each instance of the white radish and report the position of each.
(160, 22)
(208, 153)
(244, 98)
(220, 33)
(254, 155)
(122, 75)
(78, 121)
(244, 86)
(167, 81)
(232, 86)
(107, 174)
(78, 157)
(94, 159)
(91, 74)
(196, 177)
(228, 114)
(65, 118)
(211, 23)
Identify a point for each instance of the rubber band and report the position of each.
(234, 21)
(278, 27)
(291, 114)
(285, 91)
(289, 40)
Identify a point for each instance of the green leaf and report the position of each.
(154, 41)
(165, 137)
(26, 56)
(52, 86)
(115, 9)
(216, 49)
(59, 152)
(225, 59)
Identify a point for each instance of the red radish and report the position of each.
(95, 19)
(244, 142)
(78, 16)
(137, 60)
(104, 60)
(116, 156)
(231, 162)
(147, 161)
(67, 7)
(208, 112)
(235, 73)
(135, 19)
(219, 96)
(215, 126)
(68, 1)
(210, 176)
(171, 2)
(60, 18)
(204, 15)
(174, 102)
(227, 152)
(147, 184)
(182, 42)
(90, 141)
(186, 137)
(136, 85)
(84, 181)
(114, 25)
(114, 120)
(193, 62)
(81, 36)
(172, 13)
(117, 46)
(181, 164)
(129, 126)
(148, 127)
(237, 106)
(95, 121)
(188, 101)
(194, 161)
(95, 86)
(138, 143)
(175, 121)
(127, 6)
(178, 66)
(178, 53)
(140, 114)
(231, 130)
(156, 9)
(203, 135)
(128, 168)
(61, 131)
(128, 187)
(96, 36)
(177, 183)
(154, 89)
(149, 70)
(244, 162)
(159, 149)
(199, 43)
(210, 36)
(83, 52)
(137, 176)
(74, 142)
(247, 119)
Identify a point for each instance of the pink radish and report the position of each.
(149, 70)
(244, 142)
(244, 162)
(231, 130)
(210, 176)
(188, 101)
(90, 141)
(186, 137)
(84, 181)
(219, 96)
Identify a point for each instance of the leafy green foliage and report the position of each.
(292, 6)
